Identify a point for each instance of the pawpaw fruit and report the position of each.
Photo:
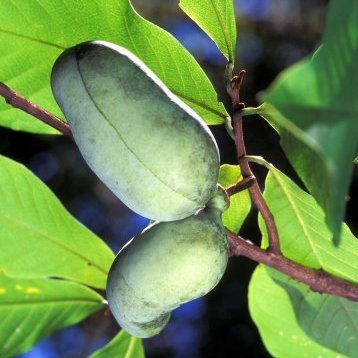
(168, 264)
(153, 151)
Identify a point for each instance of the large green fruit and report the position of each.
(166, 265)
(154, 152)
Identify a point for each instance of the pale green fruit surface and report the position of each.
(219, 202)
(166, 265)
(144, 143)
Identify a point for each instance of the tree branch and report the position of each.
(317, 280)
(20, 102)
(254, 189)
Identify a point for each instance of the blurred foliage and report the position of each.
(313, 106)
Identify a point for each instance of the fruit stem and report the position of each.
(20, 102)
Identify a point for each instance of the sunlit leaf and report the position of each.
(217, 19)
(122, 345)
(294, 321)
(39, 238)
(240, 203)
(31, 309)
(304, 235)
(314, 107)
(34, 32)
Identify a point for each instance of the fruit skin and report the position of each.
(219, 202)
(166, 265)
(153, 151)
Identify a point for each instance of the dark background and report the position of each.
(272, 34)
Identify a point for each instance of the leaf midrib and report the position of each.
(200, 104)
(29, 38)
(224, 30)
(48, 238)
(131, 346)
(298, 216)
(48, 301)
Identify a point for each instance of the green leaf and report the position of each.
(31, 309)
(304, 236)
(296, 322)
(293, 320)
(240, 203)
(34, 33)
(39, 238)
(217, 19)
(313, 106)
(122, 345)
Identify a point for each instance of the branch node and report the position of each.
(274, 249)
(236, 81)
(243, 184)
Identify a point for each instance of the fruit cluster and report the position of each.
(159, 157)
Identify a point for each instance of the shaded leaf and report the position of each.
(39, 238)
(217, 19)
(122, 345)
(34, 32)
(296, 322)
(314, 108)
(31, 309)
(240, 203)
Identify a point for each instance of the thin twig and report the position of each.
(240, 186)
(254, 189)
(20, 102)
(317, 280)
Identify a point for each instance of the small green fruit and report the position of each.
(166, 265)
(153, 151)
